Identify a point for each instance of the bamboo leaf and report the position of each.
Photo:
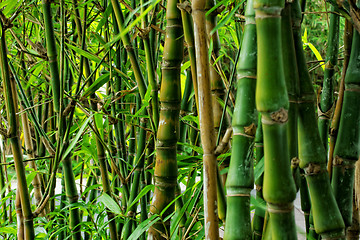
(76, 139)
(142, 227)
(105, 17)
(215, 7)
(8, 230)
(10, 5)
(110, 203)
(84, 53)
(259, 169)
(144, 191)
(227, 18)
(131, 25)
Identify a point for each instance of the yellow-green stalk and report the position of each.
(165, 173)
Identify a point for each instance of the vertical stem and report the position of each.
(206, 120)
(240, 179)
(165, 172)
(14, 136)
(272, 102)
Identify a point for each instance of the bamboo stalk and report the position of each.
(51, 53)
(348, 34)
(14, 137)
(325, 106)
(272, 102)
(206, 120)
(240, 180)
(327, 218)
(165, 173)
(347, 147)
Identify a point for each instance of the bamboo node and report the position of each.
(325, 115)
(280, 116)
(144, 33)
(313, 169)
(185, 6)
(352, 87)
(295, 162)
(238, 195)
(250, 130)
(286, 208)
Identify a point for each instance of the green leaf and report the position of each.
(185, 66)
(84, 53)
(8, 230)
(142, 227)
(10, 5)
(77, 137)
(30, 177)
(227, 18)
(131, 25)
(143, 192)
(110, 203)
(259, 169)
(104, 17)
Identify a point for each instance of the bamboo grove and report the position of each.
(178, 120)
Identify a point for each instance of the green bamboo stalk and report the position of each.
(259, 215)
(347, 147)
(326, 215)
(51, 53)
(292, 85)
(165, 173)
(14, 136)
(325, 106)
(129, 48)
(188, 27)
(206, 120)
(272, 102)
(240, 180)
(348, 33)
(139, 169)
(150, 66)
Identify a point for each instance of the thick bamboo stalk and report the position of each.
(240, 180)
(312, 155)
(206, 120)
(272, 101)
(165, 172)
(347, 147)
(14, 136)
(325, 106)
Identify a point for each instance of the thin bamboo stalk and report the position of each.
(30, 152)
(325, 106)
(240, 180)
(259, 215)
(206, 120)
(51, 53)
(14, 136)
(165, 173)
(348, 34)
